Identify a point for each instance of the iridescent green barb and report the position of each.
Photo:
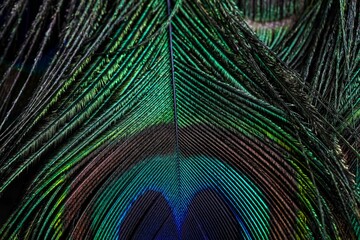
(179, 119)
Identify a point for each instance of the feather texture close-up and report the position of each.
(180, 119)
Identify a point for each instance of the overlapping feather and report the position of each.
(178, 106)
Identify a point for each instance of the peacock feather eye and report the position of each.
(179, 119)
(262, 11)
(273, 20)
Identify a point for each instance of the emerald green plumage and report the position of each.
(180, 107)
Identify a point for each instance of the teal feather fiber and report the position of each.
(179, 119)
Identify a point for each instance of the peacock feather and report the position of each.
(179, 119)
